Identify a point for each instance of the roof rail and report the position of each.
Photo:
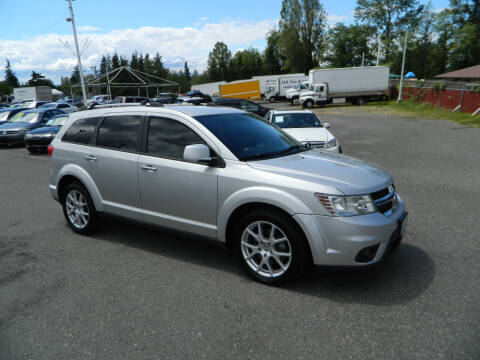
(119, 105)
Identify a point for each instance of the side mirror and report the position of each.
(199, 153)
(326, 125)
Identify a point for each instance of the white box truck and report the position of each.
(293, 95)
(356, 85)
(208, 88)
(278, 90)
(267, 80)
(40, 93)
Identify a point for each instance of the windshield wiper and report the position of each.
(268, 155)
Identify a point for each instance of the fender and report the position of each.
(85, 179)
(262, 194)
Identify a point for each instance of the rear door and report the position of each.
(176, 193)
(113, 163)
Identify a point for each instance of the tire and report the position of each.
(361, 101)
(295, 101)
(272, 99)
(78, 209)
(308, 104)
(259, 257)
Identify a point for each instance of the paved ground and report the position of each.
(133, 292)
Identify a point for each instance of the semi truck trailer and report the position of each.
(356, 85)
(40, 93)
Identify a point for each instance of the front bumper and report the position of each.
(39, 144)
(338, 241)
(10, 139)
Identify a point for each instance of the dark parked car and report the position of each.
(243, 104)
(164, 98)
(4, 106)
(6, 114)
(13, 131)
(38, 140)
(195, 97)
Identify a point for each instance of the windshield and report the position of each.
(58, 120)
(48, 105)
(4, 115)
(28, 104)
(250, 137)
(22, 117)
(296, 120)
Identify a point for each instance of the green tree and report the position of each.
(301, 26)
(389, 17)
(272, 59)
(245, 64)
(115, 61)
(218, 61)
(38, 79)
(75, 77)
(10, 77)
(347, 45)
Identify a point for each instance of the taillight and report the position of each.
(50, 150)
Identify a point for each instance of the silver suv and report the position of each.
(228, 175)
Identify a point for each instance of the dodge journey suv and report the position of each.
(228, 175)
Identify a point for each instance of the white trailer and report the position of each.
(284, 83)
(41, 93)
(357, 85)
(268, 80)
(208, 88)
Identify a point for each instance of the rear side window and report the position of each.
(81, 131)
(168, 138)
(119, 132)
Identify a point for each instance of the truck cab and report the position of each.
(271, 93)
(293, 95)
(316, 95)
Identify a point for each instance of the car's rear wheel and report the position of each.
(78, 209)
(270, 246)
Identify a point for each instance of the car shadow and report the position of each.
(403, 276)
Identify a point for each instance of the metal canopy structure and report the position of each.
(126, 77)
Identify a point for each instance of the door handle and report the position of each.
(149, 168)
(90, 158)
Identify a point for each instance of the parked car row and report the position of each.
(33, 127)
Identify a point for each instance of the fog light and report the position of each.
(367, 254)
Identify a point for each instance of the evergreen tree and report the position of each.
(10, 77)
(218, 61)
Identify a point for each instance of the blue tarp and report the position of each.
(410, 75)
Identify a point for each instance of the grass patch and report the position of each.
(423, 110)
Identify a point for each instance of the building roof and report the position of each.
(472, 72)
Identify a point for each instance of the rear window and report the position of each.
(119, 132)
(81, 131)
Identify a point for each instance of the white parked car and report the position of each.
(306, 127)
(68, 108)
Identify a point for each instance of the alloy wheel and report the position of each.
(77, 209)
(266, 249)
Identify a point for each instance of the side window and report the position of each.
(168, 138)
(63, 106)
(47, 115)
(119, 132)
(249, 106)
(81, 131)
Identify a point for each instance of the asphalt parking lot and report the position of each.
(135, 292)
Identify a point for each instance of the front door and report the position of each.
(176, 193)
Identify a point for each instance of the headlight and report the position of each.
(28, 136)
(338, 205)
(331, 143)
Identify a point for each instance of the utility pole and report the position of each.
(79, 61)
(403, 67)
(363, 58)
(378, 51)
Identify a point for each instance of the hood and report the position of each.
(307, 93)
(46, 130)
(349, 175)
(309, 134)
(16, 126)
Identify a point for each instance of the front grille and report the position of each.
(385, 200)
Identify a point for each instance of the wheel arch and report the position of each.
(72, 173)
(256, 205)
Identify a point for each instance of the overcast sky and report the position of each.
(180, 30)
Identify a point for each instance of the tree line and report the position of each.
(438, 41)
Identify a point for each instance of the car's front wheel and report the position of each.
(271, 247)
(78, 209)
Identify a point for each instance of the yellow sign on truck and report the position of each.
(248, 89)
